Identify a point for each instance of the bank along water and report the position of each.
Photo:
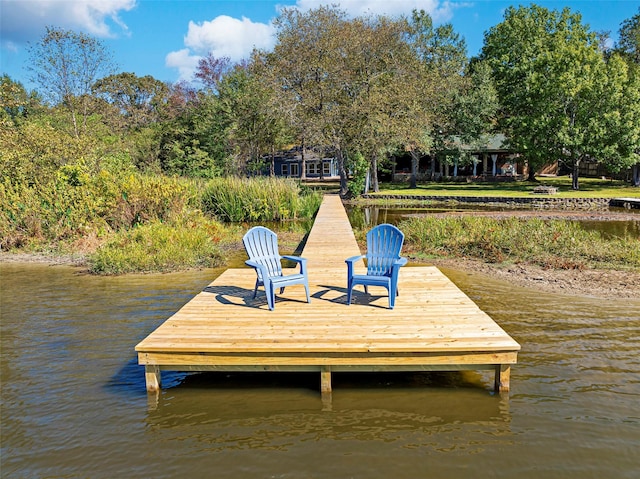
(74, 403)
(609, 222)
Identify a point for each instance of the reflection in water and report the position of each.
(74, 402)
(365, 217)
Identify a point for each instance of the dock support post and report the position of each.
(325, 380)
(153, 378)
(503, 373)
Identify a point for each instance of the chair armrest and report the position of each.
(298, 259)
(353, 259)
(351, 265)
(400, 262)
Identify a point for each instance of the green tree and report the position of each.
(378, 65)
(66, 64)
(254, 129)
(629, 42)
(138, 100)
(553, 87)
(304, 67)
(15, 102)
(441, 57)
(629, 47)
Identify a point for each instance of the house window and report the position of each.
(295, 172)
(326, 168)
(285, 170)
(313, 168)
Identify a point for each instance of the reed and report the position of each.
(560, 244)
(235, 199)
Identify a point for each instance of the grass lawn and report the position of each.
(589, 188)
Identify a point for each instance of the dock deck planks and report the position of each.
(434, 325)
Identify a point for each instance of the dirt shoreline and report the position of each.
(606, 284)
(600, 283)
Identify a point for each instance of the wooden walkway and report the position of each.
(433, 327)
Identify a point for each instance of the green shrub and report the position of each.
(160, 247)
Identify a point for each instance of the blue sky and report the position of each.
(165, 38)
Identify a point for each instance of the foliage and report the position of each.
(359, 167)
(138, 101)
(430, 94)
(253, 128)
(549, 243)
(193, 143)
(258, 199)
(194, 242)
(211, 70)
(475, 105)
(629, 43)
(65, 64)
(558, 97)
(77, 199)
(15, 102)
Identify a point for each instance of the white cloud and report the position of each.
(184, 62)
(223, 36)
(229, 37)
(440, 11)
(23, 21)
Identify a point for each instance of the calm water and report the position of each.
(74, 403)
(619, 228)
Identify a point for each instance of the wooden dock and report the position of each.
(433, 327)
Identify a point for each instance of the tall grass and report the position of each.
(549, 243)
(160, 247)
(258, 199)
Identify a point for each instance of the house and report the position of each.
(289, 164)
(489, 160)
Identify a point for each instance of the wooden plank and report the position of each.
(318, 359)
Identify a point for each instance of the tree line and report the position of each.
(358, 89)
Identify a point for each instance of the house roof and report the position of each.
(494, 143)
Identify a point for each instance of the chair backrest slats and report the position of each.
(384, 243)
(261, 245)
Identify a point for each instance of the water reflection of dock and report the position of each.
(433, 327)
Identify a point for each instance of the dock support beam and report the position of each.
(503, 373)
(152, 378)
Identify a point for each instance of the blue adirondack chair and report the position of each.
(384, 243)
(261, 245)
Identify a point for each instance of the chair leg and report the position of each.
(268, 289)
(349, 292)
(306, 290)
(393, 292)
